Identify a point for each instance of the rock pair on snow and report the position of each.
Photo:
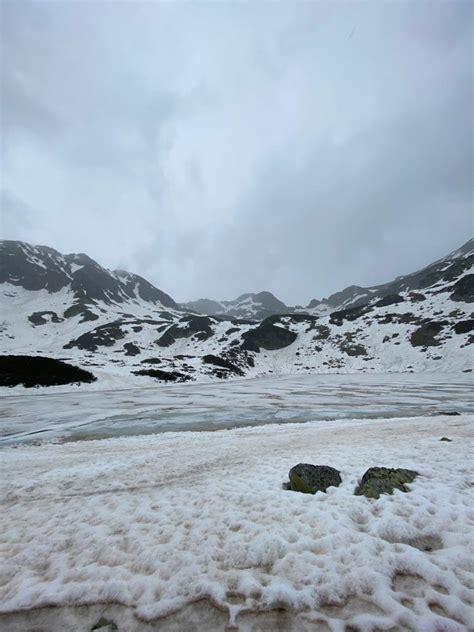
(309, 479)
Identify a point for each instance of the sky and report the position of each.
(222, 148)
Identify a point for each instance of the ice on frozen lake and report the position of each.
(76, 414)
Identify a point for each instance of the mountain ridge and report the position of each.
(124, 329)
(350, 295)
(42, 267)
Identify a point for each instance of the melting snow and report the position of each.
(160, 523)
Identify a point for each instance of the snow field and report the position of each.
(164, 523)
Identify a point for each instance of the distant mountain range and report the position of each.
(264, 304)
(253, 306)
(124, 329)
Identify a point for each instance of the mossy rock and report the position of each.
(384, 480)
(309, 479)
(104, 625)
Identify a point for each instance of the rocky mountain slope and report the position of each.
(122, 328)
(450, 268)
(264, 304)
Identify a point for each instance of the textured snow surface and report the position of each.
(162, 523)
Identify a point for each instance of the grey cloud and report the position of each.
(353, 213)
(16, 216)
(218, 149)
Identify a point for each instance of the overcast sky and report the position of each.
(224, 148)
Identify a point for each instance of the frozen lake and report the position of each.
(32, 416)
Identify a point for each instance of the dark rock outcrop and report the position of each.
(389, 299)
(353, 349)
(38, 318)
(309, 479)
(131, 349)
(198, 326)
(464, 326)
(322, 332)
(33, 267)
(353, 313)
(463, 290)
(384, 480)
(267, 336)
(82, 310)
(221, 362)
(425, 336)
(39, 371)
(104, 625)
(102, 336)
(165, 376)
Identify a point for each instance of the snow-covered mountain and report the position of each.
(248, 306)
(264, 304)
(449, 268)
(122, 328)
(36, 268)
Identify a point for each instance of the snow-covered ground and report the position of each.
(194, 531)
(70, 413)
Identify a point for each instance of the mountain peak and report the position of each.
(251, 305)
(42, 268)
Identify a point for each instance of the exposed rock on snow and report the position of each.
(309, 479)
(425, 336)
(102, 336)
(222, 363)
(165, 376)
(104, 625)
(464, 326)
(198, 327)
(383, 480)
(39, 318)
(79, 309)
(463, 290)
(267, 336)
(37, 371)
(131, 349)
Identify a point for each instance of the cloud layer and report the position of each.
(223, 148)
